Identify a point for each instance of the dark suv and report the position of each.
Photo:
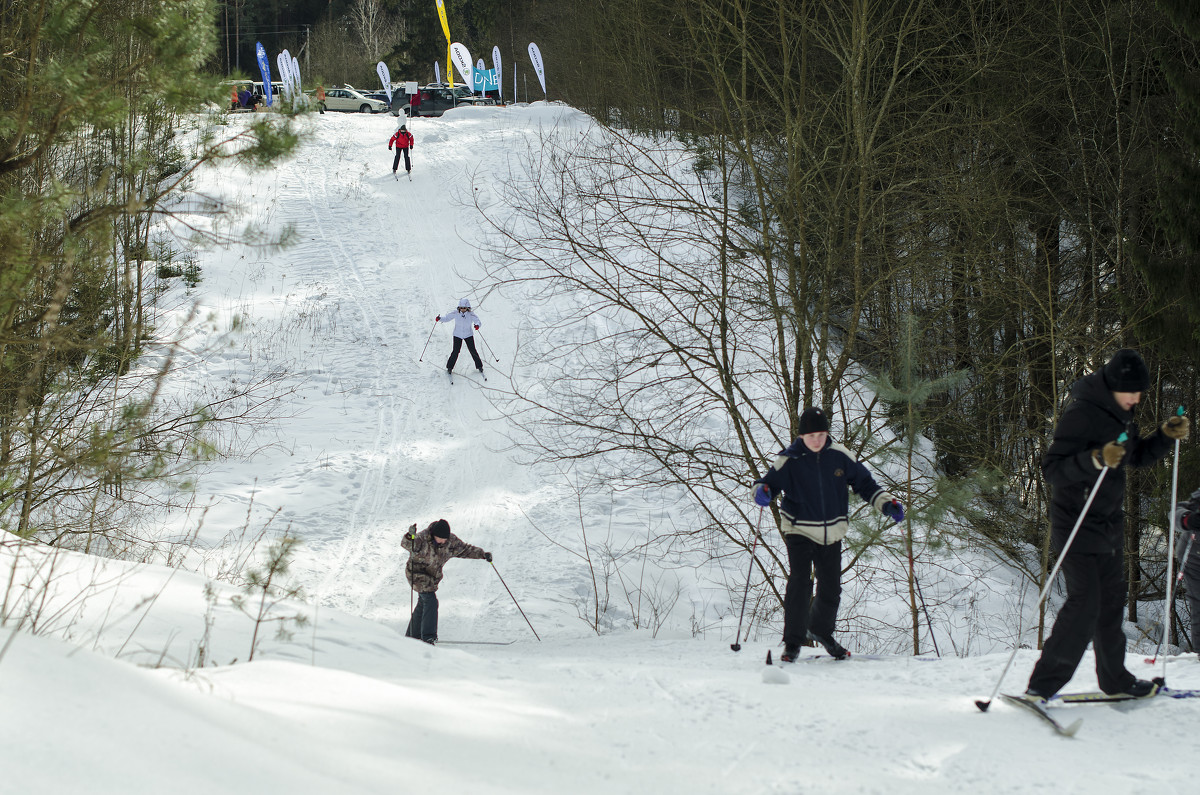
(437, 98)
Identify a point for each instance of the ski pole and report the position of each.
(515, 602)
(983, 705)
(1187, 550)
(489, 347)
(1167, 604)
(736, 645)
(421, 358)
(928, 620)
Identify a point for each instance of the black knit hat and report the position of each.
(440, 529)
(1126, 372)
(813, 420)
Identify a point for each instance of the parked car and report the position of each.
(347, 99)
(437, 98)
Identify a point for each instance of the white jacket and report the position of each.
(464, 322)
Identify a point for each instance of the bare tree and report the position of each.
(376, 29)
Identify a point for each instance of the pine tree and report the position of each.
(928, 498)
(265, 589)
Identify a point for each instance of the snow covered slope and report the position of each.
(374, 439)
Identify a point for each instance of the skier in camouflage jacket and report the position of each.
(430, 549)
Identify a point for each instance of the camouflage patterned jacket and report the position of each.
(427, 558)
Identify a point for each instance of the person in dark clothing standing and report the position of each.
(1187, 551)
(1084, 445)
(430, 550)
(814, 475)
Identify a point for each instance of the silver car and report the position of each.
(348, 99)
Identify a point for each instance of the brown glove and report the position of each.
(1176, 427)
(1109, 456)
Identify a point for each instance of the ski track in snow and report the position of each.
(408, 447)
(362, 267)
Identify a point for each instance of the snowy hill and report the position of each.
(371, 438)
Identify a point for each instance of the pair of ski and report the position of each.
(450, 375)
(853, 656)
(1041, 708)
(396, 175)
(864, 658)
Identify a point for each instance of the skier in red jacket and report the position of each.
(403, 141)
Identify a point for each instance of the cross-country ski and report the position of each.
(1037, 707)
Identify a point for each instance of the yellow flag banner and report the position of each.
(441, 7)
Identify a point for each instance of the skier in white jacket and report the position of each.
(466, 323)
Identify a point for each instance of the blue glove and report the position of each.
(894, 511)
(762, 495)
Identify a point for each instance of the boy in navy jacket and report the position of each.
(814, 474)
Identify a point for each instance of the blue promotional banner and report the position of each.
(487, 80)
(264, 66)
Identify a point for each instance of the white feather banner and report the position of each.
(386, 77)
(535, 55)
(461, 58)
(285, 66)
(284, 62)
(499, 72)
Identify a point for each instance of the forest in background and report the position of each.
(977, 201)
(1016, 181)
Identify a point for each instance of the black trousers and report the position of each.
(423, 624)
(396, 162)
(1093, 611)
(804, 557)
(458, 341)
(1191, 578)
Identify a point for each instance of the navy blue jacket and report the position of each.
(815, 486)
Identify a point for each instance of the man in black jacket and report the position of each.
(1085, 445)
(814, 474)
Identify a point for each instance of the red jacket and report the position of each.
(402, 139)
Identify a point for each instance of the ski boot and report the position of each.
(835, 649)
(1140, 688)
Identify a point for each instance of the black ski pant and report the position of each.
(458, 341)
(804, 557)
(396, 162)
(423, 624)
(1191, 579)
(1093, 611)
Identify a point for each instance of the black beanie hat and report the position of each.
(440, 528)
(1126, 372)
(813, 420)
